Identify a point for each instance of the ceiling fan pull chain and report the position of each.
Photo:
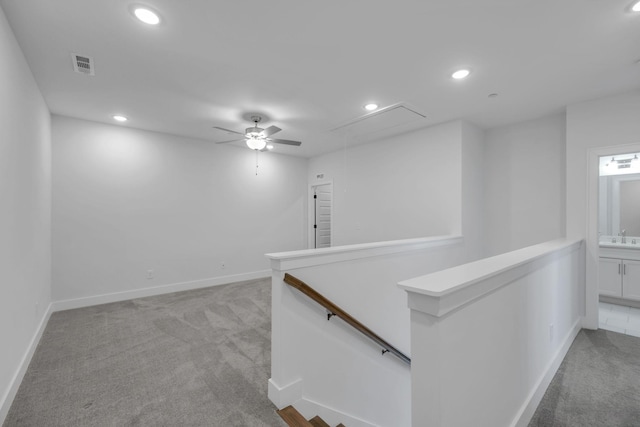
(256, 162)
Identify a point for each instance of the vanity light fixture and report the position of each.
(146, 15)
(119, 118)
(371, 106)
(623, 163)
(461, 74)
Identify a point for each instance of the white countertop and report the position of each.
(615, 242)
(619, 245)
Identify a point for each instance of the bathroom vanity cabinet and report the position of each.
(619, 273)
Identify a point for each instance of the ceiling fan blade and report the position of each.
(284, 141)
(228, 130)
(232, 140)
(271, 130)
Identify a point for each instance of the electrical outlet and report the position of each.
(551, 332)
(223, 265)
(150, 274)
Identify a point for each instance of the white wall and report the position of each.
(524, 184)
(396, 188)
(605, 122)
(423, 183)
(487, 337)
(126, 201)
(600, 127)
(328, 368)
(473, 166)
(25, 208)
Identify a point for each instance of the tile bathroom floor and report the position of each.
(619, 318)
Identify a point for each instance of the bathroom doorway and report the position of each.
(604, 222)
(619, 243)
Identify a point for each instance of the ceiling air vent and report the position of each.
(83, 64)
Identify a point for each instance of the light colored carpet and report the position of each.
(597, 384)
(195, 358)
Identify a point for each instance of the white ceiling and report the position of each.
(310, 66)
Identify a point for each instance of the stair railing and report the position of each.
(334, 310)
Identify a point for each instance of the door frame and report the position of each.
(592, 294)
(311, 210)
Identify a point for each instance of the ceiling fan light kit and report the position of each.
(256, 143)
(257, 138)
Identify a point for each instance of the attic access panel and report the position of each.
(380, 123)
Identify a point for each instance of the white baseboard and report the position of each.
(156, 290)
(332, 416)
(14, 385)
(529, 407)
(292, 394)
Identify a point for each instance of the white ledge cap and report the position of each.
(283, 261)
(440, 292)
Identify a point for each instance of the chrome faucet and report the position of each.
(624, 237)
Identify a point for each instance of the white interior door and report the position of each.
(322, 199)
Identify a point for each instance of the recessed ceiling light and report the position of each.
(636, 7)
(371, 107)
(460, 74)
(493, 95)
(120, 118)
(146, 15)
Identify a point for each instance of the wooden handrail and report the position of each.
(337, 311)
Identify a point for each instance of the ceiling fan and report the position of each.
(257, 138)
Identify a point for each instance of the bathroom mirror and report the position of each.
(619, 195)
